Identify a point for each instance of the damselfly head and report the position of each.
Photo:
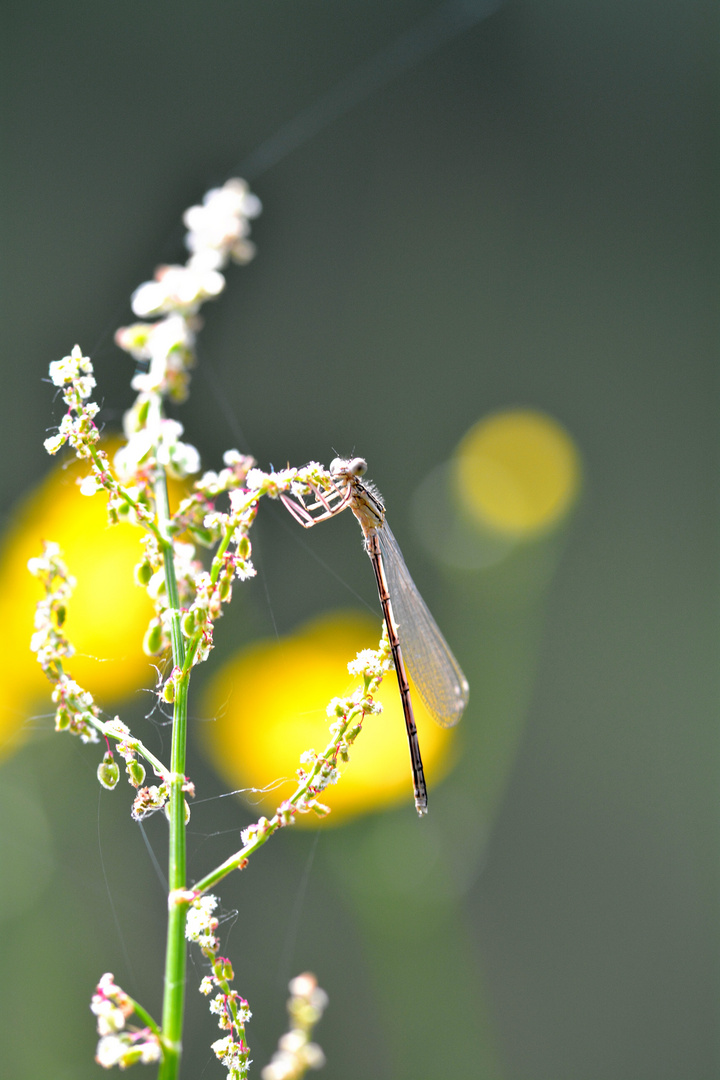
(348, 466)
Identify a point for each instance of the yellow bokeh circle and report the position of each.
(107, 614)
(517, 472)
(268, 705)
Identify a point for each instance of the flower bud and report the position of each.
(108, 772)
(62, 719)
(143, 573)
(153, 640)
(166, 809)
(136, 772)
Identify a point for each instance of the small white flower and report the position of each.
(314, 1057)
(292, 1041)
(337, 707)
(150, 1052)
(90, 485)
(270, 483)
(219, 228)
(304, 986)
(223, 1048)
(128, 458)
(199, 922)
(54, 443)
(366, 661)
(171, 333)
(179, 289)
(110, 1018)
(248, 835)
(110, 1051)
(72, 368)
(232, 458)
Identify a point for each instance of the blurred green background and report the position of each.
(522, 218)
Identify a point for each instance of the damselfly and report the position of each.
(436, 674)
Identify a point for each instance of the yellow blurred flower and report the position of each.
(268, 706)
(108, 612)
(517, 472)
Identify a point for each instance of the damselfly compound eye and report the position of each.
(358, 466)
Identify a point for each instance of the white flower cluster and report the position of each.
(181, 459)
(253, 832)
(232, 1010)
(149, 800)
(272, 483)
(128, 1048)
(178, 290)
(233, 1056)
(368, 663)
(200, 923)
(236, 469)
(218, 232)
(74, 374)
(218, 1007)
(75, 708)
(191, 584)
(113, 1007)
(320, 770)
(296, 1053)
(48, 641)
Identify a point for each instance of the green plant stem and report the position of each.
(112, 487)
(175, 952)
(217, 565)
(145, 1016)
(267, 828)
(108, 729)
